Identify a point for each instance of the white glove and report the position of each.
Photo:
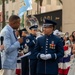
(48, 56)
(43, 56)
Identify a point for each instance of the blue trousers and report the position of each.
(33, 66)
(24, 66)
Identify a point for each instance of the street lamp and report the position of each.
(3, 13)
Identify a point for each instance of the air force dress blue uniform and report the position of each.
(50, 48)
(30, 41)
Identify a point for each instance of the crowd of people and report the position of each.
(50, 52)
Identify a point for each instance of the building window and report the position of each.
(13, 12)
(6, 15)
(48, 1)
(58, 2)
(7, 1)
(13, 0)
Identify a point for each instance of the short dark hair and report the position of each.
(73, 32)
(13, 17)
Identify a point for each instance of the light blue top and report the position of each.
(11, 46)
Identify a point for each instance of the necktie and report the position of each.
(15, 35)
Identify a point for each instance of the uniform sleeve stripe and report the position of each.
(55, 56)
(38, 55)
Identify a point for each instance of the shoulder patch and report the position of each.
(27, 40)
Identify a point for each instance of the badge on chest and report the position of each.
(52, 45)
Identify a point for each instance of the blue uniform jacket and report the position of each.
(48, 45)
(30, 41)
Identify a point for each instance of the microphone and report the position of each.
(1, 38)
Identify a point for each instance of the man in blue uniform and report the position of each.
(30, 41)
(48, 50)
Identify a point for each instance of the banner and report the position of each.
(24, 8)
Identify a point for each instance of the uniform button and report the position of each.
(46, 51)
(46, 39)
(46, 46)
